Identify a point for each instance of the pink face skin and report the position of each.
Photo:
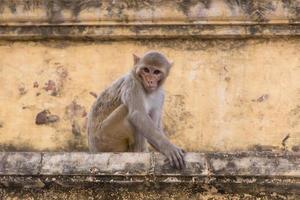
(151, 77)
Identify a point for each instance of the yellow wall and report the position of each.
(221, 94)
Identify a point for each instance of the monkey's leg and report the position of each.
(115, 134)
(140, 143)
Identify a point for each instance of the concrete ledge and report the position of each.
(150, 31)
(241, 172)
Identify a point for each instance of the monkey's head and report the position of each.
(152, 69)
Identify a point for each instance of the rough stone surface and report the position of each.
(143, 164)
(147, 176)
(95, 164)
(196, 164)
(150, 169)
(120, 32)
(259, 164)
(55, 193)
(22, 163)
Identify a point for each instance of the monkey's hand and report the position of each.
(174, 154)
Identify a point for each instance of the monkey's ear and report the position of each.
(171, 63)
(136, 59)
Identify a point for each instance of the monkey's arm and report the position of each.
(139, 118)
(156, 114)
(156, 118)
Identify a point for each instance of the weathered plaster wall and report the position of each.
(123, 19)
(127, 11)
(221, 95)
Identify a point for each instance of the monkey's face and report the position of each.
(150, 77)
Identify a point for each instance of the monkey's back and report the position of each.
(107, 102)
(104, 105)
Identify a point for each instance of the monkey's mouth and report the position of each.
(150, 88)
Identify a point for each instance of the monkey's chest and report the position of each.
(150, 103)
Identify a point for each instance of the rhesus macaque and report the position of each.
(128, 113)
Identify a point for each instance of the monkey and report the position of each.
(128, 114)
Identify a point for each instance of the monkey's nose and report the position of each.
(152, 83)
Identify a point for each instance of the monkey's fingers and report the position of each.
(170, 161)
(176, 160)
(181, 160)
(182, 153)
(166, 161)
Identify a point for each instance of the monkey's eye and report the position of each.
(146, 70)
(156, 72)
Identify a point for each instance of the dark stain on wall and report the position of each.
(76, 130)
(262, 98)
(52, 7)
(256, 10)
(177, 112)
(261, 148)
(45, 117)
(55, 7)
(50, 86)
(185, 5)
(31, 4)
(77, 116)
(12, 6)
(17, 147)
(93, 94)
(293, 8)
(22, 90)
(296, 148)
(77, 140)
(26, 5)
(115, 9)
(294, 116)
(137, 4)
(74, 110)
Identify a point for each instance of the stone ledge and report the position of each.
(230, 172)
(159, 31)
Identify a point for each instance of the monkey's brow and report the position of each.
(154, 66)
